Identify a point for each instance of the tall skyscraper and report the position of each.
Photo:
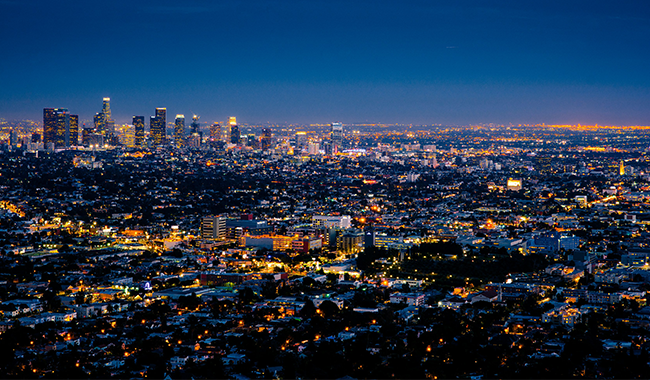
(179, 131)
(337, 137)
(215, 131)
(266, 139)
(158, 126)
(49, 126)
(106, 108)
(235, 135)
(98, 120)
(56, 127)
(138, 126)
(104, 123)
(195, 124)
(74, 130)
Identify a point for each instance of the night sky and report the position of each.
(312, 61)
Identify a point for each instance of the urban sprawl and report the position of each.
(241, 251)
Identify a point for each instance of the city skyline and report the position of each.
(453, 63)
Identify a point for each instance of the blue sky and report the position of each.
(421, 62)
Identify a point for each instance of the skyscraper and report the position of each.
(98, 120)
(215, 131)
(49, 126)
(138, 126)
(74, 130)
(337, 137)
(235, 135)
(106, 108)
(56, 127)
(179, 131)
(266, 139)
(195, 124)
(158, 126)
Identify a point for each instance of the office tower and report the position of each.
(98, 121)
(36, 138)
(85, 136)
(49, 125)
(235, 135)
(104, 122)
(127, 135)
(301, 139)
(313, 148)
(56, 127)
(232, 120)
(195, 124)
(74, 130)
(13, 137)
(266, 139)
(337, 137)
(158, 126)
(213, 227)
(251, 140)
(106, 108)
(215, 131)
(179, 131)
(138, 126)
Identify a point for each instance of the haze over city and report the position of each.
(419, 62)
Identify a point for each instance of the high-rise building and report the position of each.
(337, 137)
(235, 135)
(100, 124)
(49, 126)
(215, 131)
(106, 108)
(195, 124)
(56, 127)
(266, 139)
(127, 135)
(312, 148)
(138, 126)
(158, 126)
(179, 131)
(74, 130)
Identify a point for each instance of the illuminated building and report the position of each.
(514, 184)
(98, 121)
(301, 139)
(56, 127)
(196, 135)
(621, 168)
(127, 135)
(106, 108)
(74, 130)
(215, 131)
(158, 126)
(109, 124)
(195, 124)
(213, 227)
(225, 133)
(235, 135)
(337, 137)
(312, 148)
(266, 139)
(343, 221)
(138, 126)
(179, 131)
